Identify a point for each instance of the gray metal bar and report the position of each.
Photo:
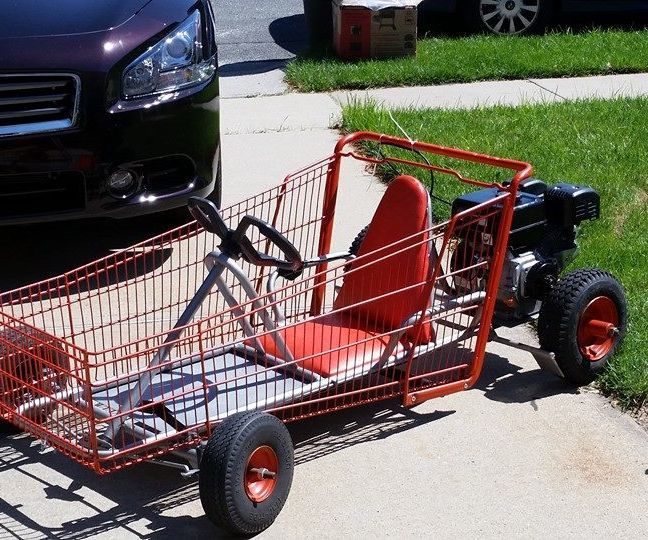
(163, 353)
(237, 310)
(217, 257)
(216, 262)
(280, 317)
(449, 305)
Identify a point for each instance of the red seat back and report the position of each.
(402, 212)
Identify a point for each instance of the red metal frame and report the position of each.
(261, 473)
(80, 335)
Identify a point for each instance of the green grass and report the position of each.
(596, 143)
(481, 57)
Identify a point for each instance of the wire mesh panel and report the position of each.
(91, 363)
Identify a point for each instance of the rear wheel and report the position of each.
(583, 321)
(507, 17)
(246, 472)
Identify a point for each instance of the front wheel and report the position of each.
(246, 472)
(507, 17)
(583, 321)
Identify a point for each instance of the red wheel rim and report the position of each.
(261, 474)
(598, 328)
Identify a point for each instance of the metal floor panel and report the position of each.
(183, 393)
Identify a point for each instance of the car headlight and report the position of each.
(174, 63)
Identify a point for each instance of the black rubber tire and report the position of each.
(471, 15)
(354, 248)
(559, 318)
(222, 472)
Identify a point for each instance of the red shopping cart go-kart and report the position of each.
(200, 343)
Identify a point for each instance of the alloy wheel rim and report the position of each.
(509, 16)
(261, 474)
(598, 328)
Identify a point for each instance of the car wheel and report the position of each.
(507, 17)
(583, 321)
(246, 472)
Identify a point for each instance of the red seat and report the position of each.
(371, 300)
(402, 212)
(330, 345)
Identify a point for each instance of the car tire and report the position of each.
(236, 489)
(507, 17)
(568, 323)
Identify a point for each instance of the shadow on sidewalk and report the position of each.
(134, 499)
(144, 492)
(139, 494)
(503, 381)
(36, 252)
(317, 438)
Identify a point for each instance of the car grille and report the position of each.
(37, 103)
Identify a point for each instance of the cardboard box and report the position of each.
(374, 28)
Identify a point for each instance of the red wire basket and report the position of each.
(405, 316)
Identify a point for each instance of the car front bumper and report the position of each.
(172, 147)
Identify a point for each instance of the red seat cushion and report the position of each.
(319, 340)
(377, 280)
(402, 212)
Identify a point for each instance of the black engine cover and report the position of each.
(569, 205)
(541, 213)
(529, 219)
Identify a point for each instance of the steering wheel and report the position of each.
(236, 243)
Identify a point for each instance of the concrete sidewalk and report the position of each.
(298, 112)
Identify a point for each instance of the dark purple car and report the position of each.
(107, 108)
